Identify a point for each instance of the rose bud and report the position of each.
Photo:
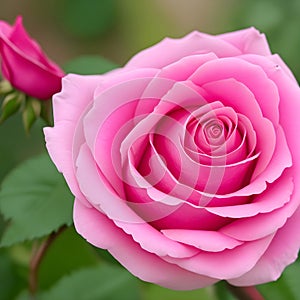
(25, 65)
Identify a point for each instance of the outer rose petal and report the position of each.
(248, 40)
(282, 252)
(68, 107)
(92, 185)
(102, 232)
(170, 50)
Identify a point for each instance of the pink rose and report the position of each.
(25, 65)
(185, 163)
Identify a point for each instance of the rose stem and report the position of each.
(37, 257)
(245, 293)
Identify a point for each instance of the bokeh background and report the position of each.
(116, 30)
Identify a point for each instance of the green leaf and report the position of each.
(89, 64)
(101, 282)
(286, 287)
(2, 225)
(10, 281)
(155, 292)
(35, 200)
(58, 255)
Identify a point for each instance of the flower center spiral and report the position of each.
(213, 130)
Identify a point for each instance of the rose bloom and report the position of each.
(25, 65)
(185, 163)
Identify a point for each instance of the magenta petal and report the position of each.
(102, 232)
(30, 48)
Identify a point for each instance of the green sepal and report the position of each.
(31, 112)
(5, 87)
(46, 112)
(11, 104)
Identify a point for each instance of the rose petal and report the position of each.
(265, 202)
(101, 232)
(282, 251)
(170, 50)
(209, 263)
(182, 69)
(250, 75)
(68, 107)
(96, 190)
(248, 40)
(211, 241)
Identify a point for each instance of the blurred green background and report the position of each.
(116, 30)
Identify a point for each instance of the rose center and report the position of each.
(214, 131)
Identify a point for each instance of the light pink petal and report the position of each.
(121, 75)
(68, 107)
(249, 75)
(289, 105)
(105, 123)
(286, 243)
(227, 264)
(279, 63)
(265, 223)
(211, 241)
(93, 186)
(185, 67)
(282, 251)
(248, 40)
(154, 241)
(103, 233)
(170, 50)
(275, 196)
(275, 151)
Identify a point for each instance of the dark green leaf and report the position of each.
(35, 200)
(90, 64)
(18, 147)
(10, 280)
(95, 283)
